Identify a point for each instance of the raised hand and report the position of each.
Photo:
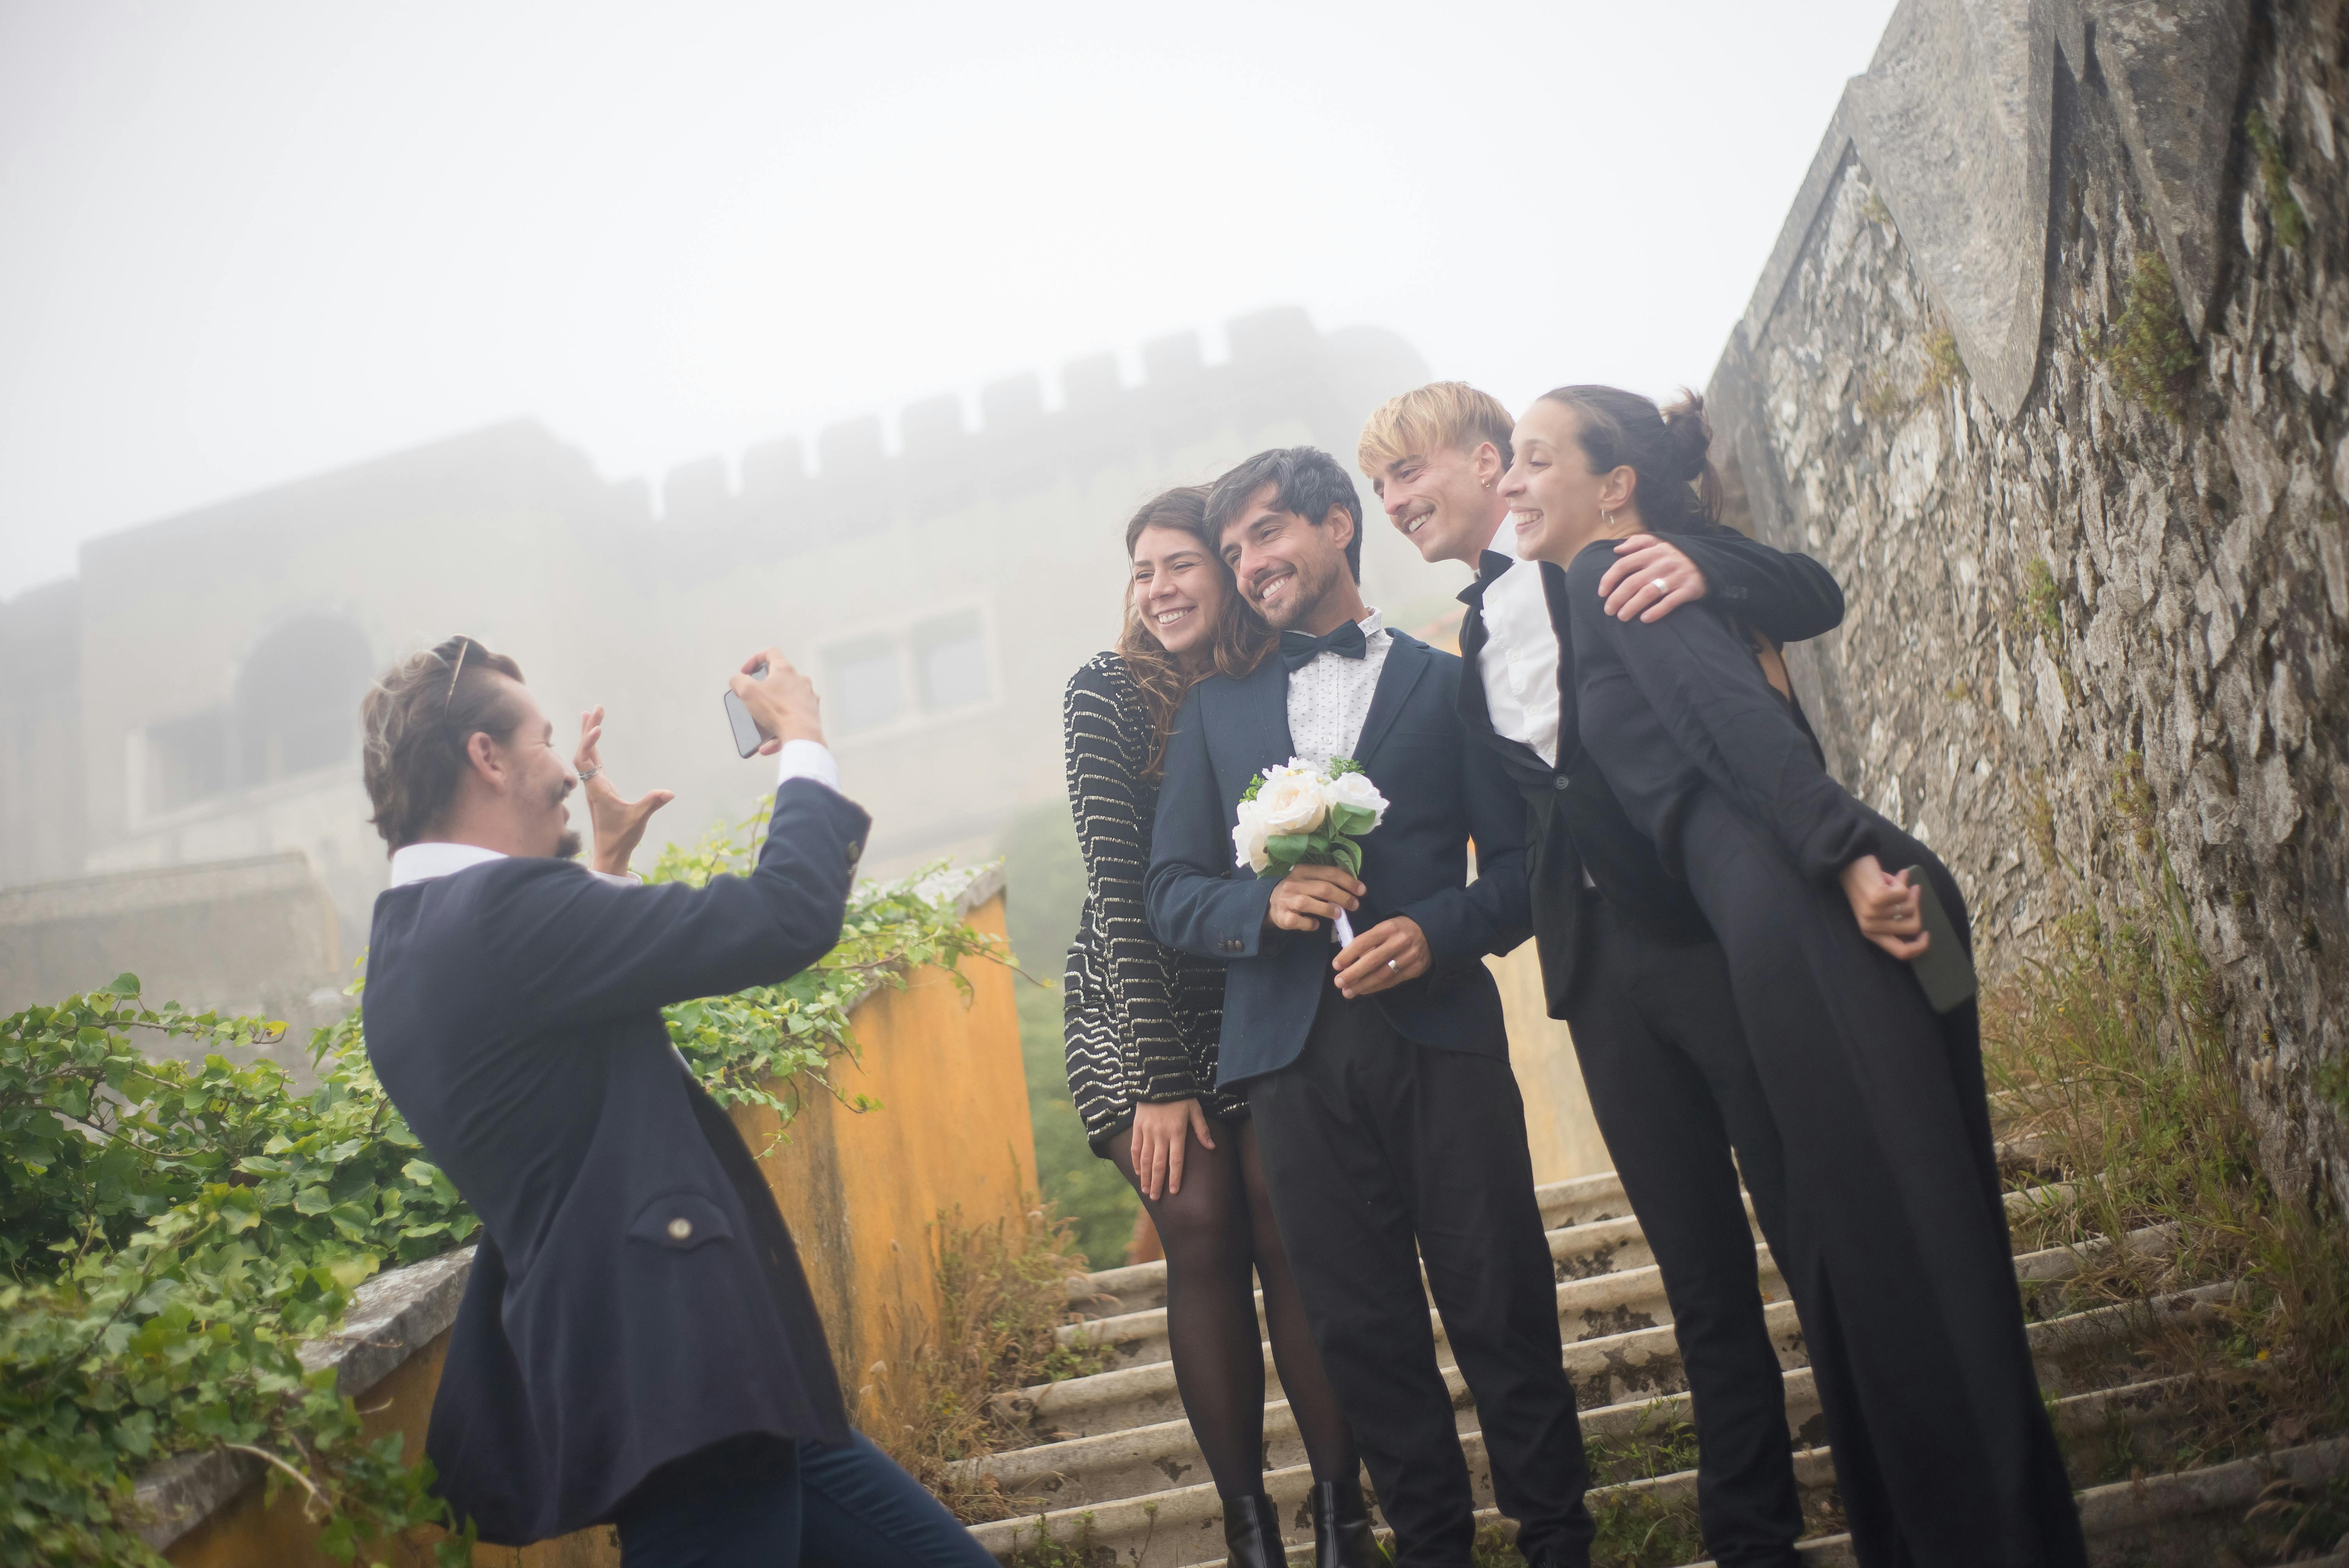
(783, 701)
(619, 823)
(1650, 578)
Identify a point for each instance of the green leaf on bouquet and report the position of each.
(1291, 848)
(1340, 766)
(1254, 785)
(1348, 857)
(1349, 820)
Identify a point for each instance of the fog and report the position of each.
(251, 242)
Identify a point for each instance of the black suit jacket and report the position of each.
(1574, 822)
(1441, 791)
(635, 1296)
(1679, 706)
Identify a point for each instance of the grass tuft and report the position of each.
(2115, 1050)
(1002, 1292)
(2275, 177)
(2154, 351)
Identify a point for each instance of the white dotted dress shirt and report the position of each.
(1518, 662)
(1330, 697)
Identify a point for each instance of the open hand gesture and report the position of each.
(1650, 578)
(619, 823)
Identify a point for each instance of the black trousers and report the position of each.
(1898, 1254)
(1375, 1146)
(1674, 1089)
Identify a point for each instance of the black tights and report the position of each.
(1212, 1231)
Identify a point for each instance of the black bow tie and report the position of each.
(1491, 564)
(1298, 649)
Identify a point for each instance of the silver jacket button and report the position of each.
(680, 1229)
(1559, 782)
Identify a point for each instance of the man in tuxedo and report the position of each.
(1628, 959)
(637, 1343)
(1377, 1075)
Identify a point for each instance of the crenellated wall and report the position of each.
(2098, 613)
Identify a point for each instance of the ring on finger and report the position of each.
(1661, 586)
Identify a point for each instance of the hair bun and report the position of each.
(1688, 435)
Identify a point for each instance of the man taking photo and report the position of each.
(636, 1345)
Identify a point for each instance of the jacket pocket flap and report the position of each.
(680, 1222)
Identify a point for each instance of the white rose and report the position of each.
(1248, 835)
(1291, 800)
(1356, 789)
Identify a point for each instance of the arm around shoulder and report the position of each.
(1194, 903)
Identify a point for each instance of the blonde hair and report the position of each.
(1440, 415)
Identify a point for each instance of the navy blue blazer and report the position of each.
(635, 1296)
(1441, 792)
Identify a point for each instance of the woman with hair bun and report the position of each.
(1896, 1251)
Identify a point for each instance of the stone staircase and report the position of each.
(1112, 1475)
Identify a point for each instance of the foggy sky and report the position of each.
(241, 242)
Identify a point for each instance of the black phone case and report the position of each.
(1943, 968)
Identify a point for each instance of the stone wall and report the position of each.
(2058, 588)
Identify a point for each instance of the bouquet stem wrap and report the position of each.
(1302, 815)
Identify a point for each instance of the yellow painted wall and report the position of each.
(1560, 1131)
(860, 1192)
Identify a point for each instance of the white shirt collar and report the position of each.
(1504, 539)
(419, 862)
(1372, 624)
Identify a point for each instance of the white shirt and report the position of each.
(420, 863)
(1518, 662)
(1329, 696)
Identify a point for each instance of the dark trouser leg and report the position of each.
(1347, 1227)
(862, 1510)
(1211, 1328)
(1893, 1199)
(1321, 1420)
(1672, 1087)
(729, 1505)
(1365, 1138)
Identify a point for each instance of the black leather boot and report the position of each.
(1252, 1534)
(1342, 1526)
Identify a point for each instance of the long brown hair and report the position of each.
(1241, 640)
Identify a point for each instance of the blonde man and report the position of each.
(1626, 958)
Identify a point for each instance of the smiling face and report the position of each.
(1444, 500)
(1286, 565)
(1556, 503)
(530, 778)
(1178, 591)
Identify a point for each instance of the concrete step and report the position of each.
(1141, 1493)
(1579, 1201)
(1594, 1299)
(1180, 1525)
(1637, 1363)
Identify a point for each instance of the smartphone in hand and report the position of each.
(747, 737)
(1943, 968)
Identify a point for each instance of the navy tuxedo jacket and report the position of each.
(635, 1296)
(1441, 792)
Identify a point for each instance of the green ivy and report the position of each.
(170, 1233)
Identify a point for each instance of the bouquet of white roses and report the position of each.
(1304, 816)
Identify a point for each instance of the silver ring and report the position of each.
(1659, 586)
(1390, 964)
(587, 773)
